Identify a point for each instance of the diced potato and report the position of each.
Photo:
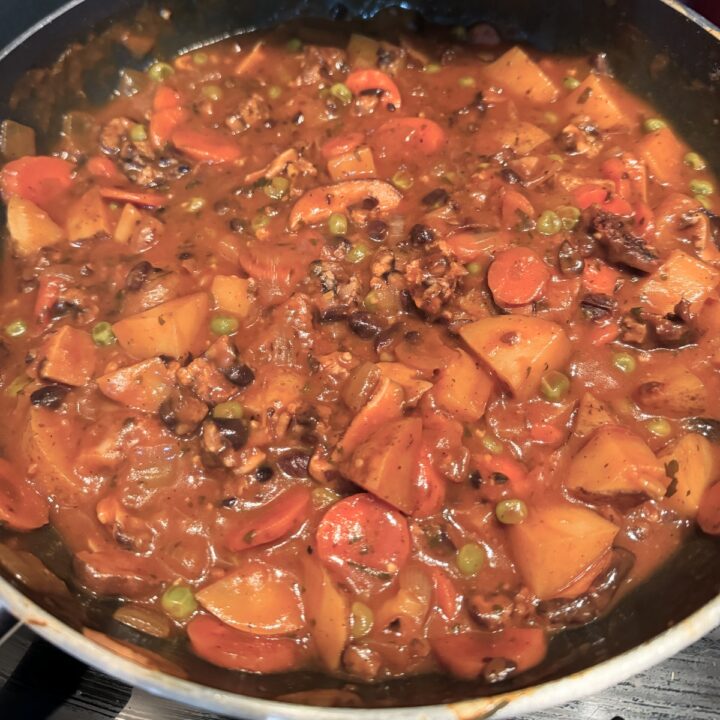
(407, 377)
(328, 613)
(591, 414)
(557, 545)
(16, 140)
(663, 153)
(681, 277)
(463, 388)
(88, 217)
(696, 470)
(173, 328)
(31, 228)
(128, 223)
(595, 97)
(517, 74)
(353, 165)
(616, 461)
(143, 386)
(362, 51)
(232, 294)
(675, 392)
(386, 463)
(68, 356)
(51, 444)
(521, 137)
(385, 405)
(257, 599)
(519, 349)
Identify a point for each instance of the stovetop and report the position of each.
(40, 682)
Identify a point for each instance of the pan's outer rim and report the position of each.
(499, 707)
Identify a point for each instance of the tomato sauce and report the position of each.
(377, 358)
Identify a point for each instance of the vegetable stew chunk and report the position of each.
(380, 357)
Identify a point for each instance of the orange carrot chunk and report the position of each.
(518, 276)
(205, 145)
(40, 179)
(362, 81)
(146, 199)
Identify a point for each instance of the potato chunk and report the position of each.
(694, 472)
(88, 217)
(558, 544)
(680, 278)
(616, 461)
(519, 349)
(30, 227)
(386, 464)
(591, 414)
(68, 356)
(232, 294)
(595, 97)
(142, 386)
(676, 392)
(517, 74)
(663, 153)
(173, 328)
(463, 388)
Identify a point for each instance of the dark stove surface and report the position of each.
(40, 682)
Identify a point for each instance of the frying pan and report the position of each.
(662, 51)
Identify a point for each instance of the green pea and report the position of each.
(432, 68)
(659, 427)
(179, 602)
(474, 268)
(294, 45)
(102, 334)
(361, 620)
(549, 223)
(551, 118)
(357, 253)
(571, 82)
(652, 125)
(274, 92)
(402, 180)
(624, 362)
(212, 92)
(701, 187)
(194, 205)
(323, 497)
(341, 92)
(224, 325)
(466, 81)
(260, 221)
(16, 328)
(511, 511)
(200, 58)
(695, 161)
(277, 188)
(230, 410)
(470, 559)
(138, 133)
(492, 444)
(18, 385)
(371, 301)
(337, 224)
(555, 385)
(569, 216)
(459, 32)
(160, 71)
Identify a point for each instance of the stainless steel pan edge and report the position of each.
(509, 705)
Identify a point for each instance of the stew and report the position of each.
(376, 358)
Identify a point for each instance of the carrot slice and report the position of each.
(362, 81)
(40, 179)
(446, 596)
(363, 533)
(709, 511)
(467, 654)
(146, 199)
(468, 246)
(408, 135)
(587, 195)
(503, 476)
(603, 335)
(598, 277)
(103, 167)
(430, 486)
(166, 98)
(514, 208)
(163, 124)
(518, 276)
(282, 516)
(341, 144)
(205, 145)
(617, 206)
(221, 645)
(21, 507)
